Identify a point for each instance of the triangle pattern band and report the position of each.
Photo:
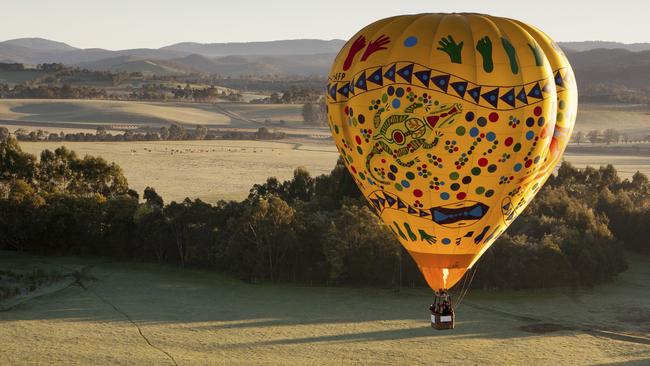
(498, 97)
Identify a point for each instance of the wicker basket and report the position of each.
(442, 322)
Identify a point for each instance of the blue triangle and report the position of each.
(333, 91)
(522, 96)
(423, 76)
(391, 201)
(509, 97)
(423, 213)
(400, 204)
(475, 93)
(460, 87)
(376, 78)
(345, 90)
(441, 81)
(535, 92)
(381, 200)
(558, 79)
(492, 97)
(411, 210)
(390, 73)
(406, 72)
(361, 82)
(375, 203)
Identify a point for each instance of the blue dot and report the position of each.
(410, 41)
(530, 122)
(540, 121)
(517, 167)
(396, 103)
(490, 136)
(469, 116)
(444, 195)
(530, 135)
(393, 168)
(405, 183)
(391, 90)
(446, 241)
(399, 92)
(473, 132)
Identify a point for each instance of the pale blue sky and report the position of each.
(119, 24)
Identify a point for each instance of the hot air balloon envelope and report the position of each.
(450, 124)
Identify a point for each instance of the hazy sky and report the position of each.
(119, 24)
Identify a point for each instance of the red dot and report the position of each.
(353, 169)
(358, 139)
(383, 161)
(494, 117)
(482, 162)
(346, 110)
(461, 195)
(528, 163)
(509, 141)
(537, 111)
(417, 193)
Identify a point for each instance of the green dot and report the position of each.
(336, 129)
(560, 117)
(384, 98)
(453, 176)
(362, 176)
(480, 190)
(562, 104)
(517, 147)
(476, 171)
(349, 158)
(460, 131)
(359, 150)
(398, 186)
(410, 175)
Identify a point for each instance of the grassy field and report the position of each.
(213, 170)
(630, 120)
(127, 113)
(153, 315)
(209, 170)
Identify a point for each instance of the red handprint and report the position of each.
(357, 46)
(376, 45)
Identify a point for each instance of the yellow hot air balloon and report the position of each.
(450, 124)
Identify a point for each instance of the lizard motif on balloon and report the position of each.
(401, 135)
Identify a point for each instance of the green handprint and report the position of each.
(450, 47)
(510, 50)
(431, 239)
(484, 47)
(539, 59)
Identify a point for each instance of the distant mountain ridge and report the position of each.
(592, 45)
(593, 61)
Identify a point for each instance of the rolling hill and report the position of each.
(595, 62)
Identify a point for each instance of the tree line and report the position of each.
(607, 136)
(310, 230)
(174, 132)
